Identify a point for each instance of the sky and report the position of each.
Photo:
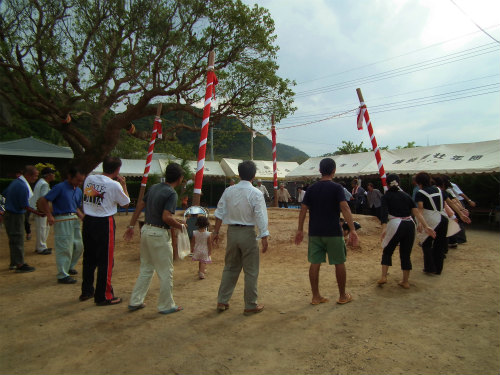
(427, 73)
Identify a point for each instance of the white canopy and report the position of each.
(135, 167)
(462, 158)
(211, 168)
(264, 168)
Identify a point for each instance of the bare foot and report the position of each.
(382, 280)
(320, 300)
(405, 285)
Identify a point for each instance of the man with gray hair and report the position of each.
(242, 207)
(42, 229)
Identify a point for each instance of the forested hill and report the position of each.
(232, 139)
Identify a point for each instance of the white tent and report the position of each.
(135, 167)
(211, 168)
(462, 158)
(264, 168)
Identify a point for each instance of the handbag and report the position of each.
(183, 243)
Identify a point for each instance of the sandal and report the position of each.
(108, 302)
(172, 310)
(135, 308)
(222, 307)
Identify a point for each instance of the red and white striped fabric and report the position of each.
(363, 113)
(210, 91)
(275, 165)
(156, 133)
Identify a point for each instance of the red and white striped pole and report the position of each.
(363, 113)
(210, 91)
(154, 134)
(275, 164)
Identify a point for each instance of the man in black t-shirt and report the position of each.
(324, 200)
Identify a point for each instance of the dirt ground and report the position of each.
(448, 324)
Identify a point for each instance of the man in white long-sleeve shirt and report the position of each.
(242, 207)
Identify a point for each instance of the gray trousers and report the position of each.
(14, 226)
(242, 251)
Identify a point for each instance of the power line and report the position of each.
(470, 18)
(298, 119)
(423, 102)
(412, 68)
(395, 57)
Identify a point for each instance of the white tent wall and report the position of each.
(462, 158)
(264, 168)
(211, 168)
(135, 168)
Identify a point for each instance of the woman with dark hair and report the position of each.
(398, 227)
(430, 200)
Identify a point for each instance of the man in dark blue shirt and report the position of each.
(324, 200)
(17, 195)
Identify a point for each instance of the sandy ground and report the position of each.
(448, 324)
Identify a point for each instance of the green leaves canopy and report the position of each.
(106, 62)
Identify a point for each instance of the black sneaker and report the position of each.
(24, 268)
(73, 272)
(66, 280)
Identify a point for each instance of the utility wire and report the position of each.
(393, 58)
(470, 18)
(423, 102)
(412, 68)
(309, 115)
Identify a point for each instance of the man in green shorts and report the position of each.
(324, 200)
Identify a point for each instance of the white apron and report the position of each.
(392, 227)
(433, 217)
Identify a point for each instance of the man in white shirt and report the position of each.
(263, 190)
(101, 194)
(42, 187)
(242, 207)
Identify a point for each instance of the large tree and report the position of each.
(106, 63)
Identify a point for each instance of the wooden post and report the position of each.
(251, 140)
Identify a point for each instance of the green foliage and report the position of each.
(106, 62)
(408, 145)
(4, 182)
(348, 147)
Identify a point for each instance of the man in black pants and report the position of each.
(100, 196)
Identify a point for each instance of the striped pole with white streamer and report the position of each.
(363, 113)
(210, 91)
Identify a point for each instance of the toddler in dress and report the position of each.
(201, 243)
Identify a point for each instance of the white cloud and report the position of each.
(332, 42)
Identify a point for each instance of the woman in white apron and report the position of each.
(430, 201)
(398, 227)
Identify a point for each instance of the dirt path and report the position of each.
(448, 324)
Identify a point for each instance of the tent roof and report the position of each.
(264, 168)
(34, 147)
(462, 158)
(211, 168)
(134, 168)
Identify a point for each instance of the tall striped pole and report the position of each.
(210, 91)
(275, 164)
(154, 134)
(363, 113)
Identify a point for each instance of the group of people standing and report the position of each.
(64, 207)
(242, 207)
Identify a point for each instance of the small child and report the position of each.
(201, 242)
(346, 229)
